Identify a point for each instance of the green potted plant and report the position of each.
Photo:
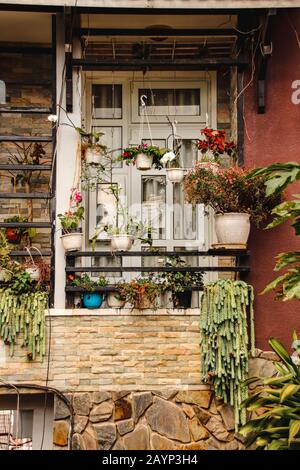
(90, 298)
(70, 223)
(16, 234)
(236, 200)
(115, 298)
(213, 148)
(144, 156)
(180, 282)
(5, 260)
(142, 292)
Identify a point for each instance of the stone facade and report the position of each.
(157, 420)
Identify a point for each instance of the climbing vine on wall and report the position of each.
(224, 340)
(24, 314)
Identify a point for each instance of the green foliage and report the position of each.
(87, 283)
(129, 154)
(179, 281)
(23, 313)
(279, 176)
(30, 232)
(71, 220)
(140, 290)
(278, 426)
(224, 340)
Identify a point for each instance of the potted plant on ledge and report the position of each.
(70, 223)
(142, 292)
(90, 298)
(144, 156)
(180, 283)
(213, 148)
(235, 199)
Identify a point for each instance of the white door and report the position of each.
(113, 107)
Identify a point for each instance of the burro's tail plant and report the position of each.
(225, 342)
(278, 397)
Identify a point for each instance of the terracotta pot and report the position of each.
(113, 302)
(175, 175)
(121, 242)
(233, 227)
(144, 162)
(72, 241)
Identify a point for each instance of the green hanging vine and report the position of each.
(224, 340)
(23, 313)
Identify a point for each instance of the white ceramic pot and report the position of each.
(93, 155)
(72, 241)
(144, 162)
(211, 166)
(34, 273)
(233, 227)
(175, 175)
(121, 242)
(113, 302)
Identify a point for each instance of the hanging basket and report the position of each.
(175, 175)
(72, 241)
(144, 161)
(93, 155)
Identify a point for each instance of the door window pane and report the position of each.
(107, 101)
(164, 101)
(154, 203)
(112, 138)
(185, 224)
(188, 153)
(106, 211)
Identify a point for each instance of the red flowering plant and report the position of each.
(214, 145)
(229, 190)
(129, 154)
(71, 219)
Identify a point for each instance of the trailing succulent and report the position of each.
(277, 426)
(224, 340)
(22, 311)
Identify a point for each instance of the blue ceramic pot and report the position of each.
(92, 300)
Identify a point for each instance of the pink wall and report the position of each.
(275, 136)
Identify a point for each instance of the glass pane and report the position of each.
(155, 261)
(153, 204)
(112, 138)
(106, 261)
(188, 153)
(107, 101)
(106, 209)
(164, 101)
(185, 223)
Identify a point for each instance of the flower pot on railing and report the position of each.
(232, 228)
(92, 300)
(72, 239)
(182, 299)
(175, 175)
(114, 301)
(121, 242)
(144, 161)
(13, 236)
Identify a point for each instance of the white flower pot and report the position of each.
(34, 273)
(121, 242)
(233, 227)
(175, 175)
(72, 241)
(211, 166)
(113, 302)
(144, 162)
(93, 155)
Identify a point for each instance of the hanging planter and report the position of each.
(122, 242)
(34, 273)
(232, 228)
(72, 240)
(144, 161)
(114, 300)
(93, 155)
(92, 300)
(175, 175)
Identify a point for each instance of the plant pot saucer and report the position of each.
(229, 246)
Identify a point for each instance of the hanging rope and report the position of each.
(144, 114)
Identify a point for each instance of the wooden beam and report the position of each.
(156, 32)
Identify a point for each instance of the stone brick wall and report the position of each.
(113, 351)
